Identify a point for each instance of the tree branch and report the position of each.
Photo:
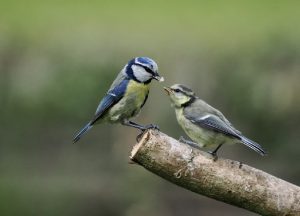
(225, 180)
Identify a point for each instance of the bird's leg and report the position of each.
(133, 124)
(151, 126)
(214, 152)
(140, 127)
(189, 142)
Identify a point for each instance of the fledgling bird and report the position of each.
(126, 96)
(205, 125)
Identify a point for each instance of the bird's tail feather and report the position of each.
(82, 132)
(253, 145)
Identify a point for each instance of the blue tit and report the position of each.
(126, 96)
(205, 125)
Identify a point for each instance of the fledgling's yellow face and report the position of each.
(179, 94)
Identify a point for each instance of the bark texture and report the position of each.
(224, 180)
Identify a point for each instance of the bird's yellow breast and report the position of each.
(131, 103)
(139, 90)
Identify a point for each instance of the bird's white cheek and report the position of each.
(173, 101)
(140, 73)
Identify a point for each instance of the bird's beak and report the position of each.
(158, 78)
(168, 90)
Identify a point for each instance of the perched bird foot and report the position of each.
(214, 154)
(144, 129)
(138, 138)
(181, 139)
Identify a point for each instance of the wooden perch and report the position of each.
(225, 180)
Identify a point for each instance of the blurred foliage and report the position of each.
(57, 59)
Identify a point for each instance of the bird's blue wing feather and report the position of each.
(114, 94)
(214, 123)
(111, 98)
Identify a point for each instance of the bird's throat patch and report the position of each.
(138, 90)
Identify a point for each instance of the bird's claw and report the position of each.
(145, 128)
(181, 139)
(214, 154)
(138, 138)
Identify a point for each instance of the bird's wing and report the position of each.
(213, 122)
(200, 108)
(218, 123)
(112, 97)
(121, 76)
(227, 122)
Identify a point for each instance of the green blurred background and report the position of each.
(57, 59)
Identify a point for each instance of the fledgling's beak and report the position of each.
(158, 78)
(168, 90)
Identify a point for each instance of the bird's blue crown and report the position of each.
(146, 63)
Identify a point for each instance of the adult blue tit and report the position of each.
(205, 125)
(126, 96)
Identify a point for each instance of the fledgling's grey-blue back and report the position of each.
(126, 96)
(204, 124)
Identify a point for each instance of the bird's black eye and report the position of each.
(176, 90)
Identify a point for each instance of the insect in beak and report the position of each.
(159, 78)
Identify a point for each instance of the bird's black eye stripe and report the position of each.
(185, 89)
(146, 69)
(149, 70)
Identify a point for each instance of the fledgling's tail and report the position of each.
(82, 132)
(253, 145)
